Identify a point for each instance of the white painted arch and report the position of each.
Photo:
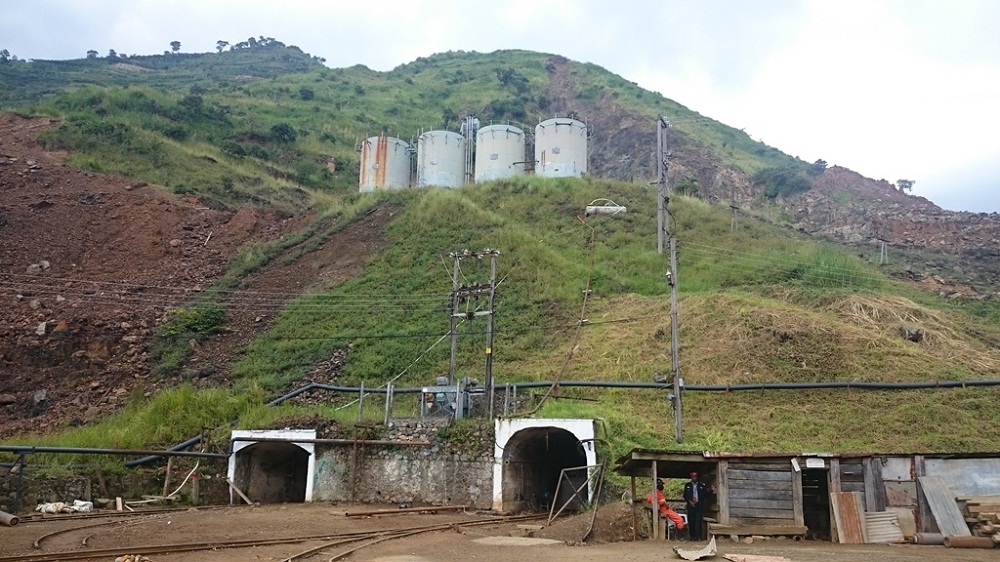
(507, 429)
(290, 435)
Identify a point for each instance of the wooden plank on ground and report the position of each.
(943, 506)
(979, 499)
(761, 521)
(976, 509)
(238, 491)
(849, 516)
(766, 530)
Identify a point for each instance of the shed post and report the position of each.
(875, 499)
(722, 492)
(635, 520)
(835, 475)
(834, 484)
(656, 506)
(923, 510)
(797, 511)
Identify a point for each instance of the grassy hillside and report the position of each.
(761, 304)
(272, 126)
(757, 305)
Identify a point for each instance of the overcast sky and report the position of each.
(892, 89)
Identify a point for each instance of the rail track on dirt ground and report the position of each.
(359, 540)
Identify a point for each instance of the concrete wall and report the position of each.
(455, 469)
(967, 477)
(402, 475)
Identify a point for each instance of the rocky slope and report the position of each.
(90, 265)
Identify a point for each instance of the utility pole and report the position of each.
(663, 222)
(464, 293)
(662, 194)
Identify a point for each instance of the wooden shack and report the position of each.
(789, 494)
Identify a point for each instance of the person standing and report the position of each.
(696, 496)
(665, 509)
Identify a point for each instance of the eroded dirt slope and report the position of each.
(90, 264)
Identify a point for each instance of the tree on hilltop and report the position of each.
(905, 185)
(220, 45)
(175, 46)
(817, 168)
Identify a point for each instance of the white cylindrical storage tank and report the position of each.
(385, 164)
(499, 152)
(560, 148)
(440, 159)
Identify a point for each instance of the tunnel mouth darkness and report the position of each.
(272, 472)
(533, 461)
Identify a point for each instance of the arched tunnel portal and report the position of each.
(533, 462)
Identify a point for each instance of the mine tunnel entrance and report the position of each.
(533, 460)
(272, 472)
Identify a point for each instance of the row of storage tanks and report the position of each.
(443, 157)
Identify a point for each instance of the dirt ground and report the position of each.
(492, 542)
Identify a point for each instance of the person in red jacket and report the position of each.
(665, 509)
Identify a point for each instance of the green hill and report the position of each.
(760, 303)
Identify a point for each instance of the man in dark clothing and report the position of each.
(696, 496)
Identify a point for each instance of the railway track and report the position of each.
(359, 540)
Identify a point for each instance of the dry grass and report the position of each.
(732, 338)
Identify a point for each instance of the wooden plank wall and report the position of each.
(875, 499)
(760, 492)
(852, 477)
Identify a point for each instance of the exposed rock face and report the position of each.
(842, 204)
(854, 208)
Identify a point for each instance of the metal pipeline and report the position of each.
(388, 442)
(179, 447)
(26, 450)
(8, 519)
(928, 538)
(667, 386)
(614, 384)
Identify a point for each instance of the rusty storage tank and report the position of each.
(499, 152)
(440, 159)
(385, 164)
(560, 148)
